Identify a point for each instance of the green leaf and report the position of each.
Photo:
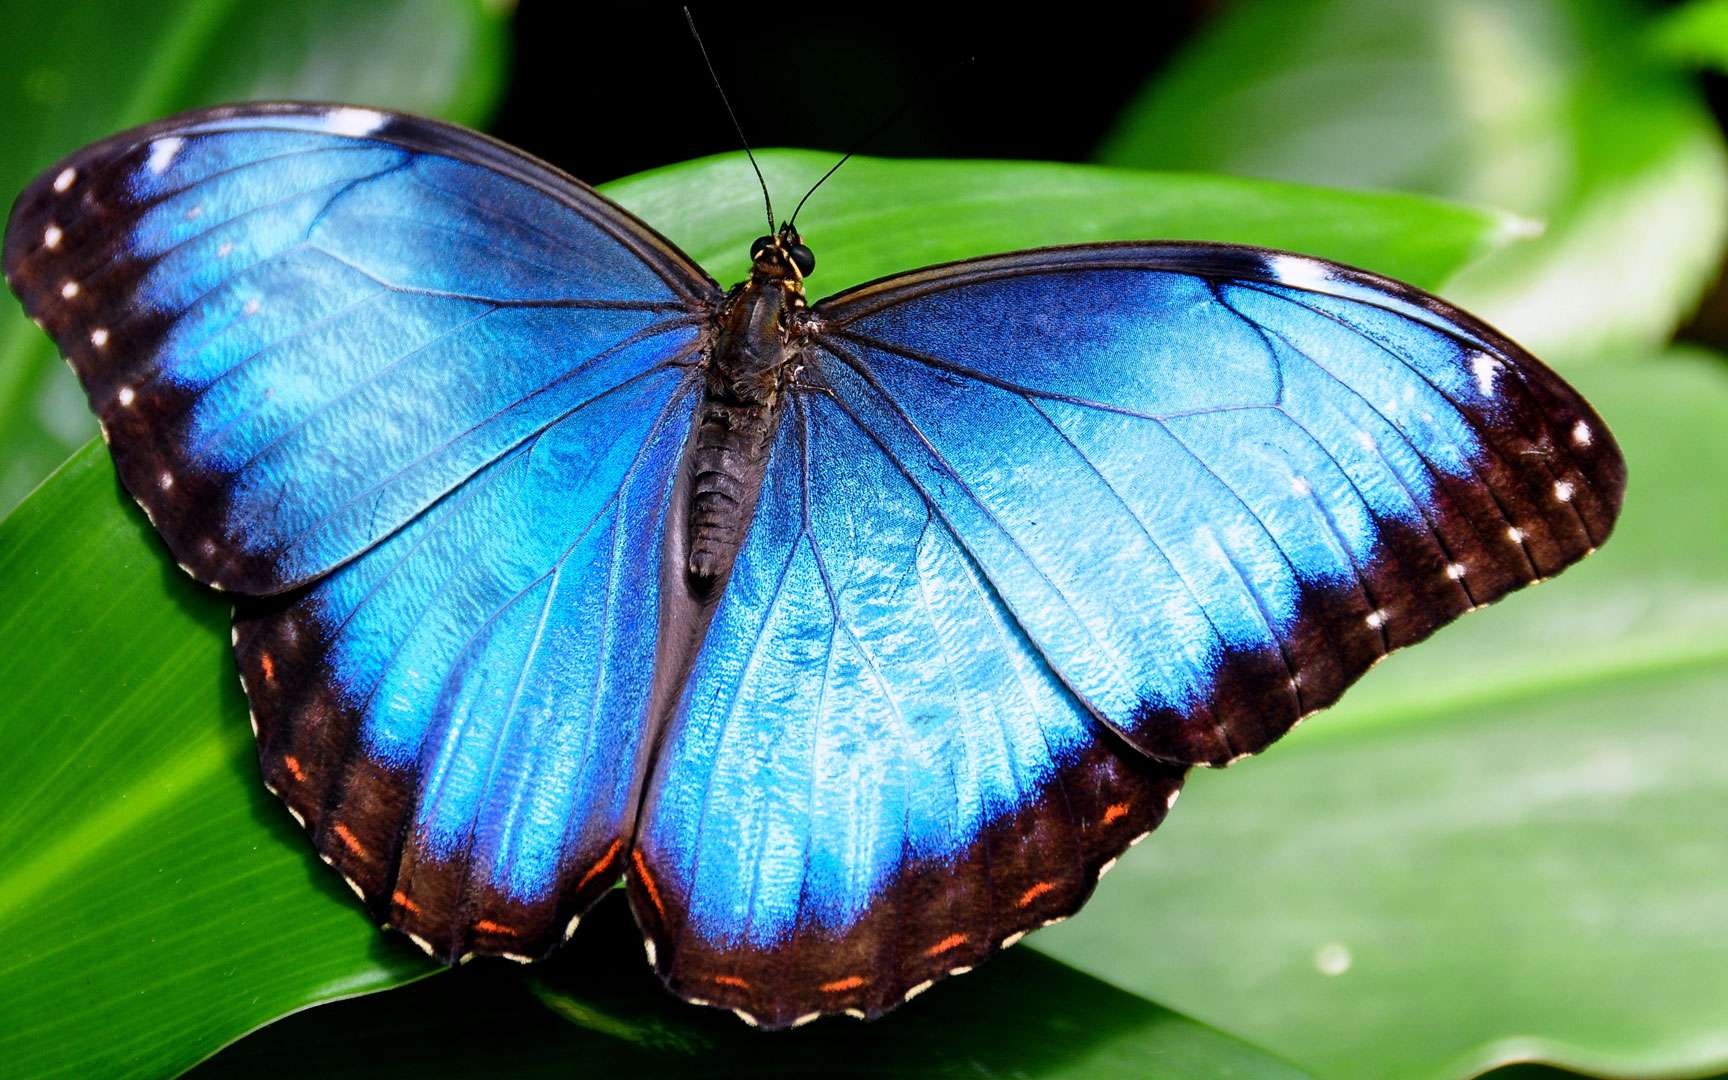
(1695, 33)
(1506, 843)
(1023, 1015)
(883, 216)
(79, 71)
(1551, 108)
(154, 902)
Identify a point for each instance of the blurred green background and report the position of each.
(1504, 846)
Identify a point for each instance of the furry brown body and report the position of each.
(753, 359)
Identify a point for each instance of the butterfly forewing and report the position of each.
(301, 326)
(1216, 484)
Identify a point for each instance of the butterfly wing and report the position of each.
(425, 396)
(302, 325)
(875, 779)
(1215, 484)
(456, 715)
(1040, 530)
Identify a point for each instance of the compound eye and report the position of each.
(760, 245)
(804, 259)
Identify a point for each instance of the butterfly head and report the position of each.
(783, 257)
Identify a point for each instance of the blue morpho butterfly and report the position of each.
(858, 638)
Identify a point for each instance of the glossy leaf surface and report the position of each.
(1557, 109)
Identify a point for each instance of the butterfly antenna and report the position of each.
(767, 202)
(892, 119)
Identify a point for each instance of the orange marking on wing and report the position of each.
(1115, 812)
(647, 882)
(294, 768)
(268, 665)
(348, 839)
(945, 944)
(605, 861)
(732, 980)
(487, 926)
(1035, 892)
(850, 982)
(401, 900)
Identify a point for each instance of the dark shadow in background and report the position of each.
(597, 1010)
(603, 94)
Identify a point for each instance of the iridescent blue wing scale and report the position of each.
(1216, 484)
(875, 780)
(301, 326)
(1047, 528)
(422, 398)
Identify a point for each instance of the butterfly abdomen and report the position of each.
(736, 421)
(726, 465)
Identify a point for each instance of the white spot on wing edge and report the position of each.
(747, 1018)
(66, 179)
(1484, 367)
(518, 957)
(1298, 272)
(1171, 801)
(1332, 958)
(1109, 865)
(424, 945)
(919, 989)
(162, 153)
(1012, 939)
(648, 948)
(355, 885)
(806, 1018)
(354, 122)
(570, 927)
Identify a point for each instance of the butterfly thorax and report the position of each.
(752, 360)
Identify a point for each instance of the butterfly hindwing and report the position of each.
(875, 780)
(1216, 484)
(456, 715)
(302, 325)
